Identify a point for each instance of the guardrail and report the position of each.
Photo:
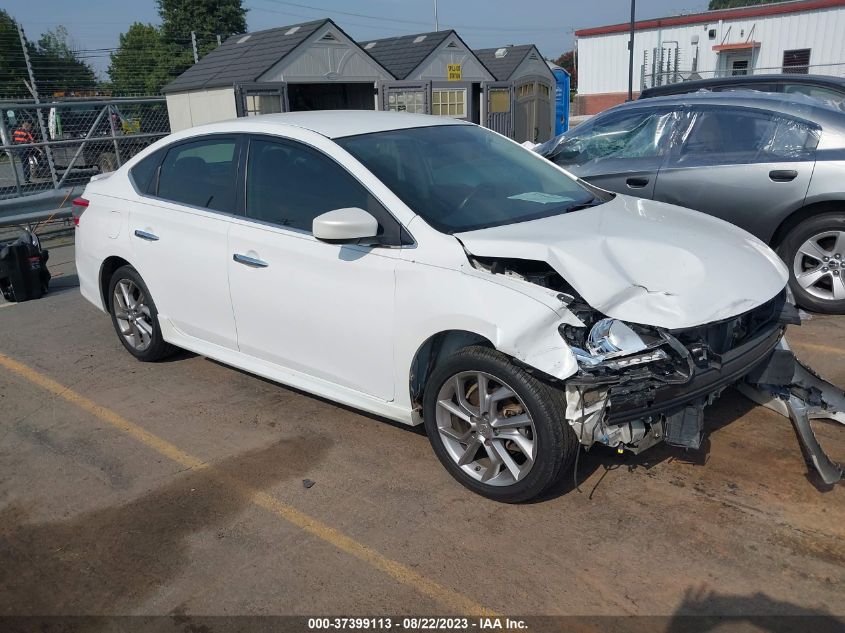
(48, 149)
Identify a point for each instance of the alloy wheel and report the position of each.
(819, 265)
(133, 314)
(486, 428)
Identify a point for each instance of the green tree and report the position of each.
(56, 65)
(733, 4)
(142, 62)
(206, 18)
(567, 62)
(12, 66)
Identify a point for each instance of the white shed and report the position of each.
(804, 36)
(309, 66)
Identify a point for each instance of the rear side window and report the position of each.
(290, 185)
(732, 136)
(143, 173)
(201, 174)
(828, 96)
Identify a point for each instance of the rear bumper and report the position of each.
(731, 368)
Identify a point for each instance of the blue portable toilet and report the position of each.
(561, 98)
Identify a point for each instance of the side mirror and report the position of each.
(343, 226)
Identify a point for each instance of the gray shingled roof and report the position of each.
(502, 67)
(400, 55)
(243, 57)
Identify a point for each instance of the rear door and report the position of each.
(178, 228)
(621, 151)
(747, 166)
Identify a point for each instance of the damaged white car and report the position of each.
(431, 271)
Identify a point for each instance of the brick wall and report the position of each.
(593, 104)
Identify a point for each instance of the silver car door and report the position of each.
(747, 166)
(621, 151)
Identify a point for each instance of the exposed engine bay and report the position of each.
(638, 385)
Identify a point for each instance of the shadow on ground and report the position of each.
(109, 560)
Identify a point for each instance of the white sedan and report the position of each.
(431, 271)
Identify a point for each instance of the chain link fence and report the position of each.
(50, 146)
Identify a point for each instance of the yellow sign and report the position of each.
(454, 72)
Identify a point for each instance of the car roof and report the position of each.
(330, 123)
(798, 105)
(712, 82)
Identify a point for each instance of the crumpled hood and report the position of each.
(645, 262)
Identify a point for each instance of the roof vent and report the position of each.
(244, 39)
(328, 37)
(369, 46)
(501, 52)
(292, 30)
(532, 56)
(419, 38)
(451, 45)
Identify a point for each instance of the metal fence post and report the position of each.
(39, 114)
(194, 46)
(114, 137)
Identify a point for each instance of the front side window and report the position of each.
(640, 134)
(289, 185)
(464, 177)
(731, 136)
(449, 103)
(201, 174)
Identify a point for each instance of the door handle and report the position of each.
(146, 236)
(783, 175)
(249, 261)
(636, 182)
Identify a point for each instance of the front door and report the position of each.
(178, 236)
(620, 152)
(743, 165)
(324, 310)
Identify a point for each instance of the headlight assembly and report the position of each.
(612, 337)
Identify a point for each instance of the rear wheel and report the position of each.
(814, 251)
(496, 428)
(135, 317)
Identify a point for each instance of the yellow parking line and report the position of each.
(449, 598)
(827, 349)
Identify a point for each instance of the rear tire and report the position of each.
(512, 448)
(817, 283)
(135, 317)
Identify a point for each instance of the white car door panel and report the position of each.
(323, 309)
(178, 230)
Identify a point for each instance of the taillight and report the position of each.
(79, 206)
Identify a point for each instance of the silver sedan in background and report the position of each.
(772, 164)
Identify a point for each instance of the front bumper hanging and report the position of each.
(794, 390)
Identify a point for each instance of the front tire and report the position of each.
(497, 429)
(814, 252)
(135, 317)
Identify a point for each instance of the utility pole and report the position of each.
(218, 39)
(194, 46)
(436, 23)
(33, 88)
(631, 52)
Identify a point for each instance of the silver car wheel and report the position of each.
(486, 428)
(818, 265)
(133, 315)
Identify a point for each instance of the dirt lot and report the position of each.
(130, 488)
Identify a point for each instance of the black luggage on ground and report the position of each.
(23, 269)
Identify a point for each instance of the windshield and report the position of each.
(463, 177)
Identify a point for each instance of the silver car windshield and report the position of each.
(462, 177)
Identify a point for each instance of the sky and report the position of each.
(97, 24)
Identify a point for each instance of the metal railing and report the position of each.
(653, 79)
(67, 141)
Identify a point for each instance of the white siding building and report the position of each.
(799, 36)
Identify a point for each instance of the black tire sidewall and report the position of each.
(158, 348)
(553, 436)
(789, 247)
